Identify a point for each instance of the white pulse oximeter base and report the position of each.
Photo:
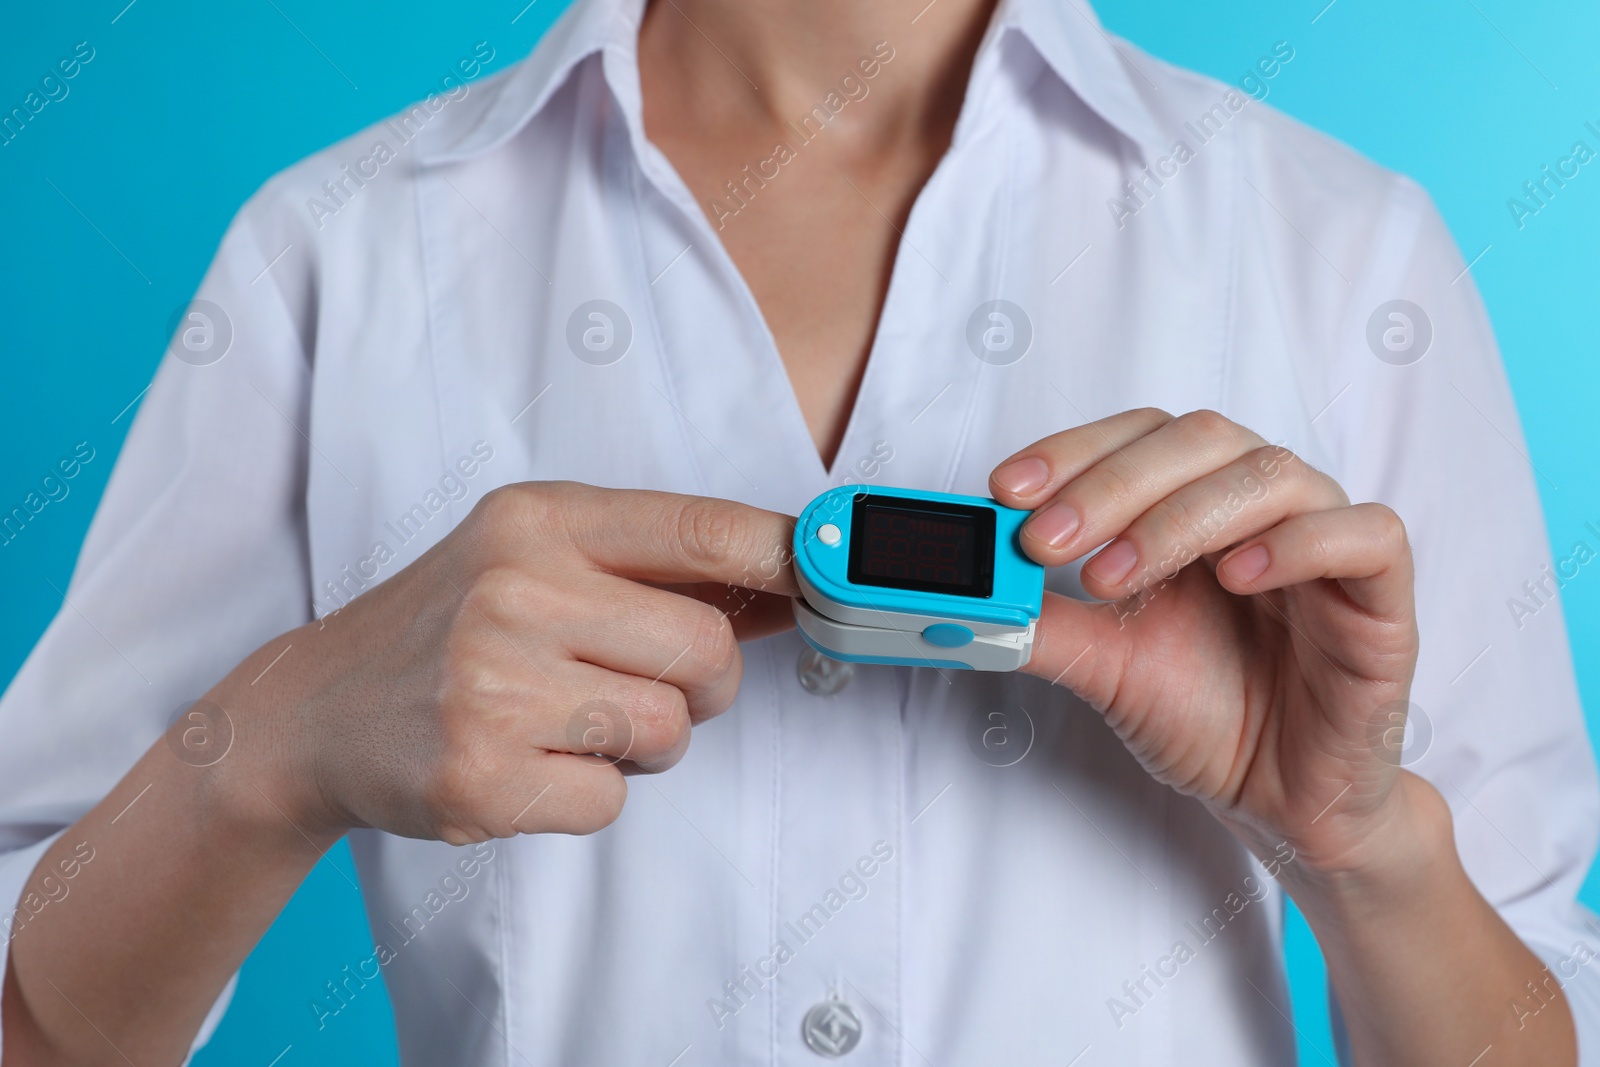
(905, 576)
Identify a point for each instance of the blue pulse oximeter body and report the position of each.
(909, 577)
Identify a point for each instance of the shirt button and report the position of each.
(831, 1028)
(822, 675)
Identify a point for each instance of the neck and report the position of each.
(768, 62)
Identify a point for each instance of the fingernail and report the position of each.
(1022, 476)
(1113, 563)
(1248, 565)
(1054, 525)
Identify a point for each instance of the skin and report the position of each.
(1259, 678)
(1258, 628)
(452, 701)
(817, 245)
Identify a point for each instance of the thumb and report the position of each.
(1080, 645)
(670, 538)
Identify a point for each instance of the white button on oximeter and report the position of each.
(911, 577)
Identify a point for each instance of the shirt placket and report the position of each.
(820, 948)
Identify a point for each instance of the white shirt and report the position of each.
(404, 347)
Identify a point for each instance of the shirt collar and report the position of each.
(586, 28)
(1066, 34)
(1100, 69)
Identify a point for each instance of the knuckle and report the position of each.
(506, 598)
(1114, 480)
(1206, 424)
(1272, 462)
(598, 802)
(1320, 542)
(457, 788)
(480, 687)
(662, 711)
(708, 531)
(1277, 455)
(675, 727)
(1187, 520)
(718, 698)
(505, 515)
(504, 504)
(469, 677)
(462, 834)
(1391, 528)
(491, 595)
(1153, 415)
(713, 646)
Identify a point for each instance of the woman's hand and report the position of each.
(1260, 643)
(1257, 654)
(457, 699)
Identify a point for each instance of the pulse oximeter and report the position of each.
(914, 578)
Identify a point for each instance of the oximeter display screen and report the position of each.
(927, 546)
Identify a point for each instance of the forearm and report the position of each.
(189, 867)
(1425, 970)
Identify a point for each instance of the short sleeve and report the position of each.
(196, 555)
(1429, 427)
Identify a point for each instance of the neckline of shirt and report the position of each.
(1065, 34)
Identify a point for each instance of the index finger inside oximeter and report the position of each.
(909, 577)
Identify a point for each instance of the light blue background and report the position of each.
(115, 197)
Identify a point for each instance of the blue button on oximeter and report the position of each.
(910, 577)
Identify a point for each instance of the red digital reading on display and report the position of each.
(919, 548)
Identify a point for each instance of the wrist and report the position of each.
(267, 779)
(1404, 852)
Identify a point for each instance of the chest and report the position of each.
(576, 315)
(577, 312)
(812, 222)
